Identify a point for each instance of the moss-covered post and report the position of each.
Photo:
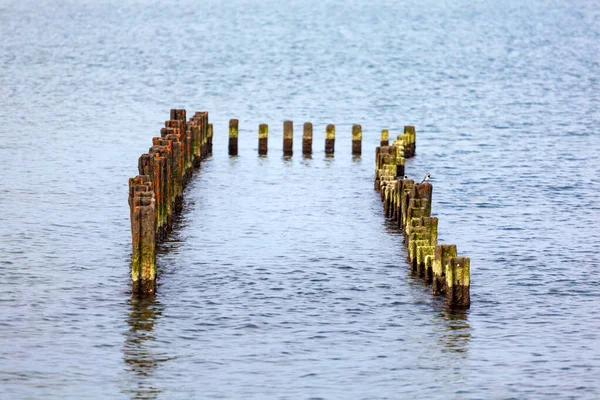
(233, 137)
(422, 252)
(458, 282)
(307, 136)
(400, 162)
(407, 186)
(330, 139)
(409, 130)
(356, 139)
(385, 137)
(443, 254)
(263, 139)
(288, 138)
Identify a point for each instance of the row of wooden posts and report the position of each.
(288, 138)
(408, 204)
(156, 193)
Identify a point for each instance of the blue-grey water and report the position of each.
(282, 279)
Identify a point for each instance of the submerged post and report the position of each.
(288, 138)
(263, 139)
(307, 138)
(233, 137)
(330, 139)
(356, 139)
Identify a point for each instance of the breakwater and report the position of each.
(408, 203)
(288, 138)
(157, 192)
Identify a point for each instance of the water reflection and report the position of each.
(457, 330)
(452, 324)
(138, 353)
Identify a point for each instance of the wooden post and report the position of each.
(196, 133)
(143, 234)
(385, 138)
(263, 139)
(356, 139)
(458, 281)
(330, 139)
(412, 139)
(178, 114)
(307, 135)
(210, 138)
(422, 252)
(178, 173)
(288, 138)
(443, 254)
(233, 137)
(163, 148)
(424, 191)
(407, 186)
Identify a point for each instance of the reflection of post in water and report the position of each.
(138, 351)
(457, 333)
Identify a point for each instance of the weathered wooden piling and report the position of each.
(330, 139)
(156, 193)
(385, 134)
(263, 139)
(356, 139)
(307, 136)
(177, 114)
(198, 125)
(143, 234)
(458, 281)
(441, 261)
(411, 147)
(233, 137)
(288, 138)
(210, 138)
(409, 204)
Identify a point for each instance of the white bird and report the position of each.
(426, 179)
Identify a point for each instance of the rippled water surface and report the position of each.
(282, 279)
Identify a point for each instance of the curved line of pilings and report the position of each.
(409, 205)
(156, 194)
(288, 138)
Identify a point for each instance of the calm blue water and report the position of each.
(282, 279)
